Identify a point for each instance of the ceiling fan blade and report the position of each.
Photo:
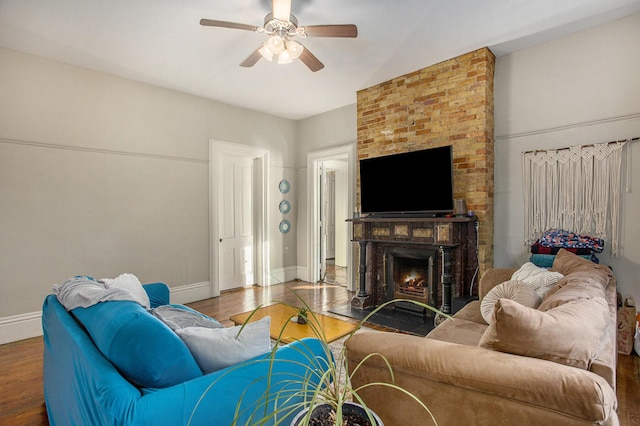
(281, 9)
(226, 24)
(311, 61)
(252, 59)
(345, 30)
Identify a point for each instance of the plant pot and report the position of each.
(354, 414)
(298, 319)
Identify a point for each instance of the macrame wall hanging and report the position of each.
(577, 189)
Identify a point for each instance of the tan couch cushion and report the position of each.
(577, 285)
(491, 278)
(471, 312)
(458, 330)
(569, 334)
(515, 290)
(566, 262)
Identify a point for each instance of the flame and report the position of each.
(413, 275)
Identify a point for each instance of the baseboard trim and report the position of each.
(19, 327)
(191, 292)
(303, 273)
(282, 275)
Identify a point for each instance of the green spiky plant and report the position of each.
(324, 382)
(303, 315)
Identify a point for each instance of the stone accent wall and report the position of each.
(450, 103)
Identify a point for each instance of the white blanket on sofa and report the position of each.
(83, 291)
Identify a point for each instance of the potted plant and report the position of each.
(302, 315)
(326, 395)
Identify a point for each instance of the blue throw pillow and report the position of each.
(140, 346)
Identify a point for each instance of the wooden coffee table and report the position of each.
(280, 314)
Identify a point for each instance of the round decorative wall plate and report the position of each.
(284, 186)
(285, 226)
(284, 207)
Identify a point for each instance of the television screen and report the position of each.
(417, 182)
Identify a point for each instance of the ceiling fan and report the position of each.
(282, 28)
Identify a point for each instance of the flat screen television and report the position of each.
(417, 183)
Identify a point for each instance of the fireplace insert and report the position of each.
(411, 273)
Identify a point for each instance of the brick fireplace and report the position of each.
(449, 103)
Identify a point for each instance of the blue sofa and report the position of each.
(82, 385)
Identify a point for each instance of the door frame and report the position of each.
(260, 157)
(339, 167)
(314, 162)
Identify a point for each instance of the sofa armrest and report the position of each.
(159, 294)
(492, 277)
(214, 398)
(489, 384)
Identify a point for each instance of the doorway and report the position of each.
(331, 184)
(238, 176)
(334, 211)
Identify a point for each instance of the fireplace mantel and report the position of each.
(455, 238)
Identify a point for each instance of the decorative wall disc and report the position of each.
(285, 207)
(285, 226)
(284, 186)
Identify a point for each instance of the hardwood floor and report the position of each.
(21, 394)
(335, 274)
(628, 389)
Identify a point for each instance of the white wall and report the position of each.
(284, 262)
(580, 89)
(100, 175)
(331, 129)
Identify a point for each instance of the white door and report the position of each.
(330, 214)
(322, 214)
(235, 224)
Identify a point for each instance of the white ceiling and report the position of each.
(161, 42)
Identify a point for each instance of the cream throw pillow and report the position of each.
(569, 334)
(218, 348)
(541, 279)
(518, 291)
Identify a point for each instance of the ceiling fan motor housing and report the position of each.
(281, 28)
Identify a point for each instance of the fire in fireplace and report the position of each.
(413, 280)
(411, 274)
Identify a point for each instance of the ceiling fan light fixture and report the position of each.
(284, 52)
(294, 49)
(284, 58)
(276, 44)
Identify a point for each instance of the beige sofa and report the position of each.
(552, 365)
